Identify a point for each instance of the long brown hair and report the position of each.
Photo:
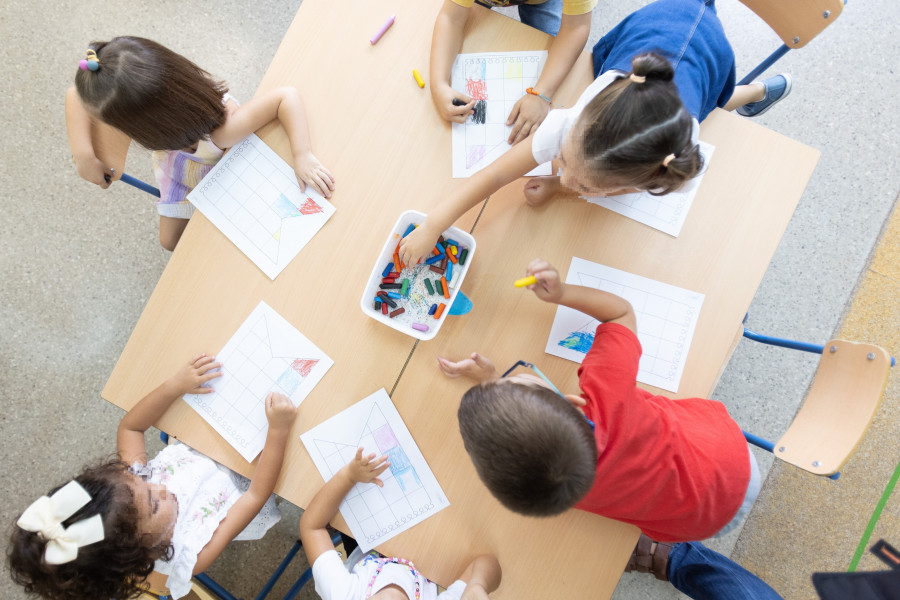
(629, 129)
(159, 98)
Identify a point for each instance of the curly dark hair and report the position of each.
(113, 568)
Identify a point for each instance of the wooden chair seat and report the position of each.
(841, 403)
(796, 21)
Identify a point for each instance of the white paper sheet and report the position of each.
(665, 213)
(253, 197)
(410, 494)
(496, 80)
(265, 354)
(666, 319)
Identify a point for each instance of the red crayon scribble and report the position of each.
(304, 366)
(310, 207)
(477, 89)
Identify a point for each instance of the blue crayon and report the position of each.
(409, 229)
(434, 259)
(452, 243)
(394, 295)
(432, 309)
(449, 272)
(387, 269)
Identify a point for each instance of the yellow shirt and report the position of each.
(570, 7)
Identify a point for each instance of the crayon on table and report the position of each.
(381, 31)
(525, 281)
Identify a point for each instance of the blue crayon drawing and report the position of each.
(579, 341)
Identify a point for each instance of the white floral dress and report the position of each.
(205, 491)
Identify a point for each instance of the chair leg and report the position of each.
(214, 587)
(765, 64)
(279, 571)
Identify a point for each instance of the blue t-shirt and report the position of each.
(690, 35)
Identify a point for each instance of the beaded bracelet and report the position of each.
(538, 94)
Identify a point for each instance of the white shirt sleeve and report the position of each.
(548, 139)
(333, 581)
(454, 592)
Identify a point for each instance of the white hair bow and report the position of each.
(45, 517)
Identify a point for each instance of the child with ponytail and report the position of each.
(659, 72)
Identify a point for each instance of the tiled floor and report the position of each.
(78, 263)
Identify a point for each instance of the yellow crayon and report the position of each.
(419, 79)
(525, 281)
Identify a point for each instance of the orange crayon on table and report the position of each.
(525, 281)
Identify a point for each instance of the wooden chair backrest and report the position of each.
(796, 21)
(842, 401)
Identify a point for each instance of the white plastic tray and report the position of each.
(418, 299)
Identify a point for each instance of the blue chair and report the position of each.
(796, 22)
(837, 411)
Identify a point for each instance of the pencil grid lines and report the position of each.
(379, 510)
(245, 192)
(667, 209)
(663, 325)
(251, 371)
(499, 82)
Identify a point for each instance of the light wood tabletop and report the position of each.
(381, 137)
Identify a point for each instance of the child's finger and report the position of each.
(359, 454)
(209, 376)
(378, 482)
(196, 358)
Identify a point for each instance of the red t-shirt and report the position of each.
(678, 469)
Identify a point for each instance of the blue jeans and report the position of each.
(546, 17)
(703, 574)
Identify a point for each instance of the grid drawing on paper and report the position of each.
(379, 510)
(237, 406)
(246, 192)
(496, 82)
(666, 318)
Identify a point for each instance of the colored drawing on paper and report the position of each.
(666, 319)
(665, 213)
(410, 493)
(496, 81)
(266, 354)
(253, 197)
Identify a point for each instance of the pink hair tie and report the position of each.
(637, 78)
(91, 63)
(668, 159)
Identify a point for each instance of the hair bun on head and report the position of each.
(652, 66)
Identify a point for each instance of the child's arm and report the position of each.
(189, 379)
(284, 104)
(482, 577)
(78, 129)
(509, 167)
(603, 306)
(476, 367)
(530, 110)
(446, 42)
(280, 412)
(325, 504)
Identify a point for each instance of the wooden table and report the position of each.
(378, 132)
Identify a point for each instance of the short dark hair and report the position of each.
(115, 567)
(629, 129)
(159, 98)
(532, 449)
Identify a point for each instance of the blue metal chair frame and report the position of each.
(782, 343)
(766, 63)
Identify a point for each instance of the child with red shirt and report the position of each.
(680, 470)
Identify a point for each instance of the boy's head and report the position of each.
(533, 450)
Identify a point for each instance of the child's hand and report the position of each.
(474, 591)
(526, 114)
(367, 469)
(477, 367)
(191, 377)
(443, 95)
(280, 411)
(310, 171)
(549, 287)
(90, 168)
(417, 246)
